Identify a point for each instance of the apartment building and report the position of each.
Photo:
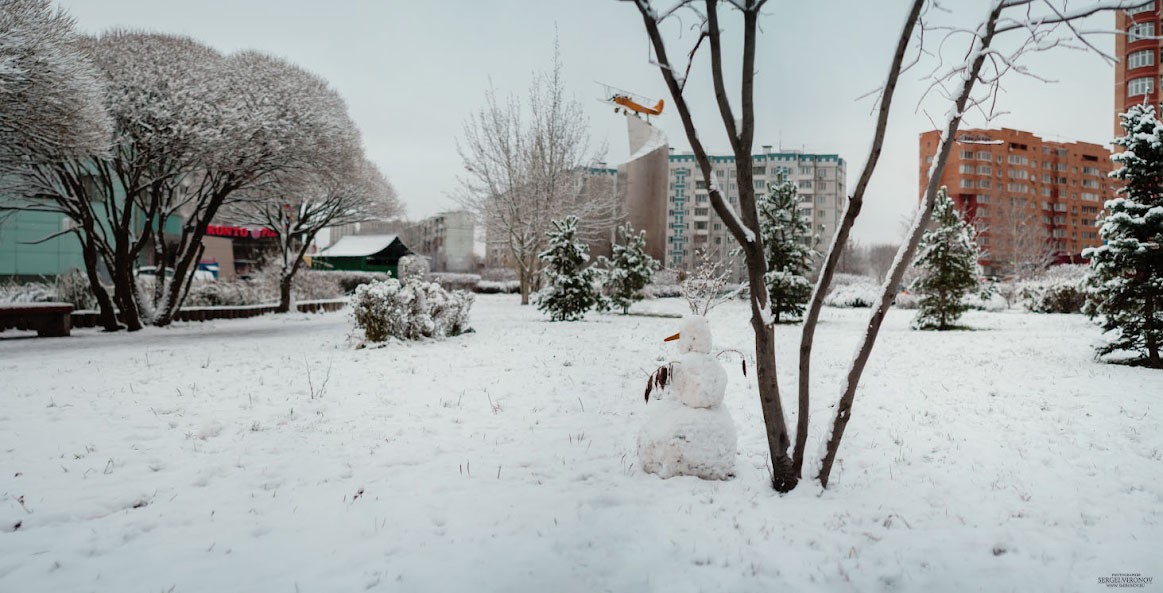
(1140, 68)
(996, 176)
(692, 225)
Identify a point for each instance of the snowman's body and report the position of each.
(689, 432)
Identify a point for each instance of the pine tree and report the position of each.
(1126, 290)
(630, 270)
(569, 292)
(787, 243)
(948, 264)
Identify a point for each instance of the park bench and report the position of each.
(48, 319)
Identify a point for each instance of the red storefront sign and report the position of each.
(238, 232)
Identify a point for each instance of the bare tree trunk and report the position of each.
(908, 249)
(840, 240)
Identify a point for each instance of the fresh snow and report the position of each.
(194, 458)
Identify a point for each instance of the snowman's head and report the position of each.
(694, 335)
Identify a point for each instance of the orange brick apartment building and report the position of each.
(1137, 75)
(995, 173)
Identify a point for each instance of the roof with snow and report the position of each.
(359, 246)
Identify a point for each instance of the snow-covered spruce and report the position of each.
(787, 246)
(409, 310)
(1126, 291)
(949, 270)
(688, 431)
(630, 269)
(570, 289)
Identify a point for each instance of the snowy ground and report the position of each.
(196, 459)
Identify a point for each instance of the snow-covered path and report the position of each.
(195, 458)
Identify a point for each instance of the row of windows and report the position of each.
(1138, 31)
(1140, 86)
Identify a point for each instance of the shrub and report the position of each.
(1061, 289)
(413, 265)
(450, 281)
(860, 294)
(409, 310)
(662, 291)
(498, 287)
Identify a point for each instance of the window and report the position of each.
(701, 211)
(1089, 197)
(760, 184)
(1017, 188)
(983, 183)
(1140, 31)
(966, 169)
(1091, 183)
(982, 199)
(1019, 174)
(1018, 160)
(966, 154)
(966, 183)
(701, 225)
(1090, 171)
(1141, 58)
(700, 184)
(983, 170)
(983, 155)
(1140, 86)
(982, 212)
(1148, 7)
(1045, 178)
(761, 170)
(805, 184)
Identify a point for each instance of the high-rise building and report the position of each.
(1137, 75)
(692, 224)
(998, 178)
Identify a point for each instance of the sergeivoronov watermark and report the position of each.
(1125, 580)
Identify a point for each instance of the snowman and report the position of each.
(688, 431)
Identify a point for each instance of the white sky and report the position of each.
(412, 71)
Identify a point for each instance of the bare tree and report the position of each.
(744, 225)
(300, 204)
(525, 167)
(1016, 241)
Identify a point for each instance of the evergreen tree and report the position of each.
(787, 244)
(630, 270)
(1126, 289)
(569, 292)
(948, 264)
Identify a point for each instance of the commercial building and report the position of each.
(997, 176)
(1138, 73)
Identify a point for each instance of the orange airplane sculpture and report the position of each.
(631, 103)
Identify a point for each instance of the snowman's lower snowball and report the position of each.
(677, 440)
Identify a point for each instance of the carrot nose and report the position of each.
(672, 338)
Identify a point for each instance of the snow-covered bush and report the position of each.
(498, 287)
(1061, 289)
(857, 294)
(662, 291)
(413, 265)
(409, 310)
(70, 287)
(451, 281)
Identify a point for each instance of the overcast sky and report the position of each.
(412, 71)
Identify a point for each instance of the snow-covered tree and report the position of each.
(301, 203)
(51, 98)
(948, 264)
(629, 270)
(1126, 290)
(569, 290)
(787, 247)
